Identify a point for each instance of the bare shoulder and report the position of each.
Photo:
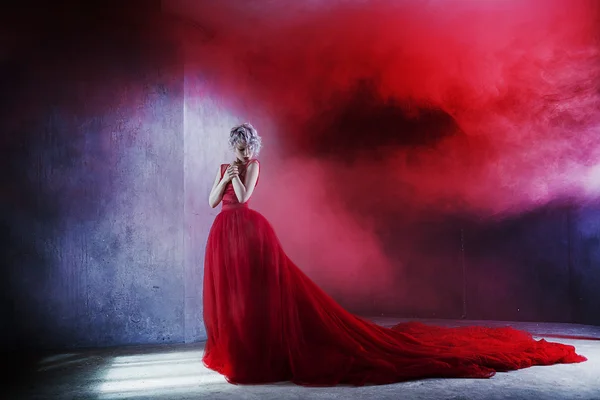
(253, 166)
(221, 169)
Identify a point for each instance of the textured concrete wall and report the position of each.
(518, 268)
(385, 163)
(584, 285)
(93, 209)
(109, 150)
(539, 266)
(206, 130)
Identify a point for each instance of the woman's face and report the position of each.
(242, 152)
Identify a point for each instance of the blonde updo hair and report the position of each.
(247, 134)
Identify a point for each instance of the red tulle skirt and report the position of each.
(266, 321)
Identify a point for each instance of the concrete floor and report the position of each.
(175, 372)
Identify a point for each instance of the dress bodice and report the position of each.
(230, 199)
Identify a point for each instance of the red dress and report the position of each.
(266, 321)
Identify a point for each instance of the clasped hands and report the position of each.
(231, 172)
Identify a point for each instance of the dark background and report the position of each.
(95, 239)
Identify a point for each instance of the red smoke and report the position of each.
(518, 79)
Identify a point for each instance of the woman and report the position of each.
(267, 321)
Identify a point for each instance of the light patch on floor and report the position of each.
(152, 374)
(175, 372)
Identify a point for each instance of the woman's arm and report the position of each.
(243, 191)
(216, 193)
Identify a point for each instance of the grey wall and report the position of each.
(537, 266)
(585, 264)
(92, 208)
(110, 145)
(518, 269)
(206, 124)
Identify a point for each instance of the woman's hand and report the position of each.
(231, 172)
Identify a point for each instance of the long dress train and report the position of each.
(266, 321)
